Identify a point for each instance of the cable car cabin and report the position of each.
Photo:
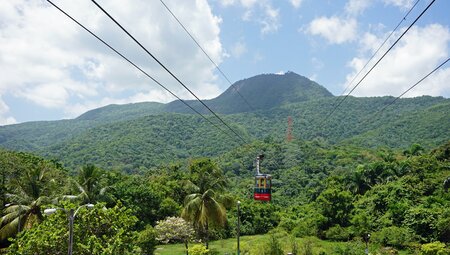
(263, 187)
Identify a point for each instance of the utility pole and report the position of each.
(289, 130)
(238, 226)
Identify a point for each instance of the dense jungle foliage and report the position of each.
(332, 192)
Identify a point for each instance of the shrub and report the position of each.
(338, 233)
(146, 240)
(435, 248)
(394, 236)
(198, 249)
(272, 246)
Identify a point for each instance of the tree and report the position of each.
(174, 229)
(89, 183)
(415, 150)
(202, 207)
(29, 190)
(96, 231)
(336, 206)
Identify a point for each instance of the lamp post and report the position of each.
(366, 239)
(238, 226)
(71, 214)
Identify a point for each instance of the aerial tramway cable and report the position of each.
(406, 91)
(168, 71)
(137, 67)
(379, 60)
(379, 48)
(207, 55)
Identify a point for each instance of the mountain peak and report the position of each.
(266, 91)
(262, 92)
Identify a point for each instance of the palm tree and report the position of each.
(89, 184)
(28, 194)
(203, 207)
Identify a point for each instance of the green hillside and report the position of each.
(145, 135)
(112, 113)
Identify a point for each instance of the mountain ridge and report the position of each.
(147, 134)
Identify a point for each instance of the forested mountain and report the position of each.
(145, 135)
(262, 92)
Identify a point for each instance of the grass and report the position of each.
(254, 245)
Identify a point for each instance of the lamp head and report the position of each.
(49, 211)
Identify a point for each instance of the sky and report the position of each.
(51, 69)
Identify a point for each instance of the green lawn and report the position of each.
(254, 244)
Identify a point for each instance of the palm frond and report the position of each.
(10, 229)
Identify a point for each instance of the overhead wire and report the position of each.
(168, 71)
(410, 88)
(207, 55)
(137, 67)
(379, 60)
(372, 116)
(379, 48)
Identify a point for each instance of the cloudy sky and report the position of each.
(51, 69)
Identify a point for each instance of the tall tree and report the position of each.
(89, 183)
(29, 190)
(203, 207)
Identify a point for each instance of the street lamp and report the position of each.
(366, 239)
(71, 214)
(238, 226)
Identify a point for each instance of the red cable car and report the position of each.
(263, 184)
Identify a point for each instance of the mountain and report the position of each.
(144, 135)
(114, 112)
(262, 92)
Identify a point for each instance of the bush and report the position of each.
(198, 249)
(350, 248)
(394, 236)
(302, 230)
(272, 246)
(307, 247)
(147, 240)
(338, 233)
(435, 248)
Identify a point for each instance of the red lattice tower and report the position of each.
(289, 129)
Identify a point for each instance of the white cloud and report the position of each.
(336, 30)
(4, 119)
(238, 49)
(270, 22)
(404, 4)
(248, 3)
(296, 3)
(227, 2)
(355, 7)
(417, 53)
(49, 95)
(47, 59)
(260, 12)
(317, 63)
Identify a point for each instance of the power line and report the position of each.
(406, 91)
(207, 55)
(370, 70)
(136, 66)
(372, 116)
(168, 71)
(379, 48)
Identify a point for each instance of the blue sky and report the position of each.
(51, 69)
